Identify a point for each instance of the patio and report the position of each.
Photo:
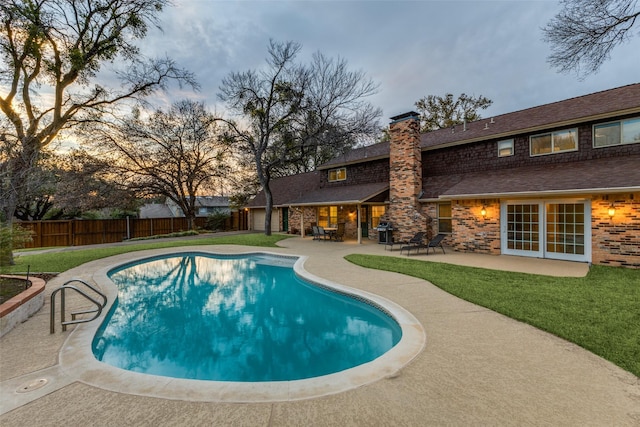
(478, 367)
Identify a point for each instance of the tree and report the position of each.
(174, 154)
(583, 34)
(51, 54)
(438, 112)
(292, 115)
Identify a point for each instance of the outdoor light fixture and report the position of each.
(612, 211)
(483, 212)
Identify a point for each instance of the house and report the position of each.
(559, 181)
(205, 205)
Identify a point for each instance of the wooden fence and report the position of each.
(78, 232)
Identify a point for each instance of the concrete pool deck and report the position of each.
(477, 367)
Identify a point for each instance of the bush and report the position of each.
(12, 237)
(217, 221)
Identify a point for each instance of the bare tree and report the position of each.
(174, 154)
(50, 54)
(291, 115)
(437, 112)
(585, 32)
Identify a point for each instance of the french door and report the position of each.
(558, 229)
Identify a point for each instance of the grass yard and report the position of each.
(599, 312)
(62, 261)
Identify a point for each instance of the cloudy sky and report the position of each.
(410, 48)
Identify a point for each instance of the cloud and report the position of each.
(411, 48)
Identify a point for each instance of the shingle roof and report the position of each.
(598, 175)
(286, 189)
(342, 194)
(595, 106)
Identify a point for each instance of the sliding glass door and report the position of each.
(547, 229)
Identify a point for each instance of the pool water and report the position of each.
(236, 318)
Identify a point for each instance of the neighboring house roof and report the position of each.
(155, 210)
(592, 176)
(212, 201)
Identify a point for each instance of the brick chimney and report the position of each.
(405, 175)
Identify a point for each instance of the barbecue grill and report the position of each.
(385, 229)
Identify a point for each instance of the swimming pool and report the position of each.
(246, 318)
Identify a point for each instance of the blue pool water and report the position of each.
(235, 318)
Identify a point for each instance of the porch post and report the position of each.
(358, 224)
(301, 221)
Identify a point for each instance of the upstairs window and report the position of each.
(553, 142)
(505, 148)
(339, 174)
(616, 133)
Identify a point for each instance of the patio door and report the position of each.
(556, 229)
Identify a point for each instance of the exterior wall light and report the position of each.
(612, 211)
(483, 212)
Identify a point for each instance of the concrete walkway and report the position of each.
(477, 367)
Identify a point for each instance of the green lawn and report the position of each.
(62, 261)
(599, 312)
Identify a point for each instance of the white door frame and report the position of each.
(542, 251)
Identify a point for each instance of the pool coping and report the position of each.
(77, 362)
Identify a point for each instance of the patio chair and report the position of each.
(315, 232)
(339, 234)
(416, 242)
(322, 234)
(436, 242)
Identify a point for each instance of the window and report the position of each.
(444, 218)
(554, 142)
(376, 213)
(505, 148)
(339, 174)
(616, 133)
(327, 216)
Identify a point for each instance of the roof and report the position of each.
(304, 189)
(596, 106)
(212, 201)
(592, 176)
(286, 189)
(343, 194)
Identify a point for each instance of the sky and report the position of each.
(410, 48)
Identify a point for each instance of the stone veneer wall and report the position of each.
(616, 241)
(472, 232)
(405, 177)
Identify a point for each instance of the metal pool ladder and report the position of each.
(62, 290)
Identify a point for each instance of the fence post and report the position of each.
(128, 229)
(72, 234)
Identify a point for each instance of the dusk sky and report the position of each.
(410, 48)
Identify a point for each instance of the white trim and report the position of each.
(542, 229)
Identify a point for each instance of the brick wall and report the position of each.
(472, 232)
(616, 241)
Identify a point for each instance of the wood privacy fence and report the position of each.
(78, 232)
